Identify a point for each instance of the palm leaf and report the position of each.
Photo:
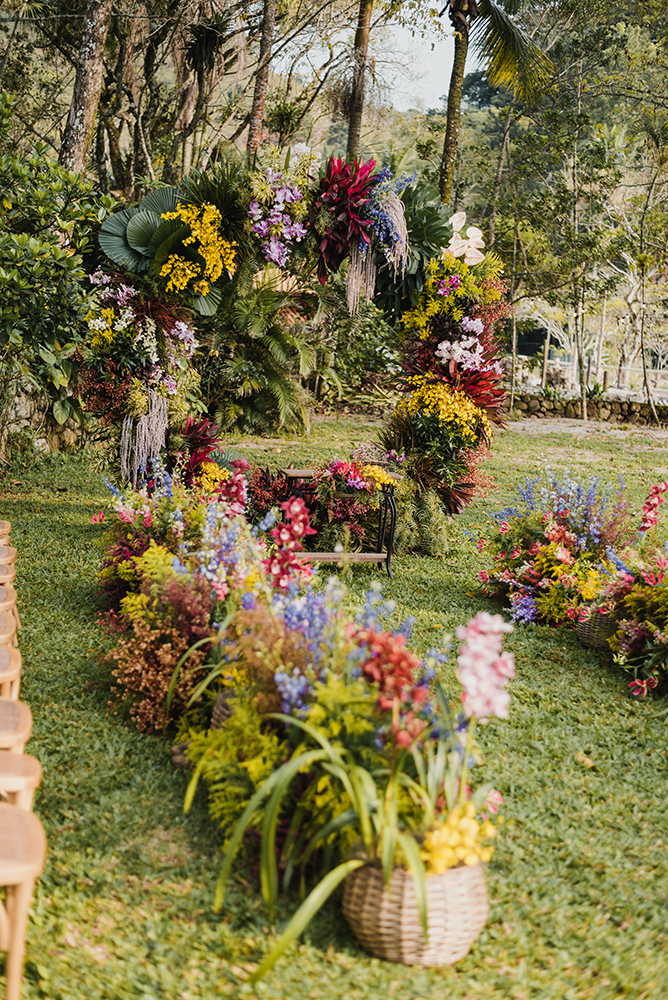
(113, 241)
(161, 200)
(140, 230)
(510, 57)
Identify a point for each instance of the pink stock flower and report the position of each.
(480, 544)
(97, 518)
(504, 527)
(483, 669)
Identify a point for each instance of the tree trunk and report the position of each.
(360, 54)
(5, 58)
(494, 200)
(461, 13)
(579, 348)
(78, 135)
(262, 78)
(601, 338)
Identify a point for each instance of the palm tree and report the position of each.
(510, 57)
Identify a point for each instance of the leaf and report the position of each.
(140, 230)
(206, 305)
(587, 761)
(61, 410)
(160, 200)
(305, 760)
(412, 854)
(113, 241)
(302, 918)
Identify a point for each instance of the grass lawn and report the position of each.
(579, 881)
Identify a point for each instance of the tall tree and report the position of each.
(78, 135)
(262, 77)
(360, 57)
(510, 57)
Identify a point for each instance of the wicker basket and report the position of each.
(387, 923)
(595, 632)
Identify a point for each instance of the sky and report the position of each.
(427, 73)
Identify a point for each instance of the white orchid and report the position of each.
(468, 246)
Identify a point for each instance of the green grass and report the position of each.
(579, 881)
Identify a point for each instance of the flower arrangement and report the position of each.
(381, 759)
(553, 550)
(452, 370)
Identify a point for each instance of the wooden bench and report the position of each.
(387, 519)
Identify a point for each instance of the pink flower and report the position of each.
(504, 527)
(97, 518)
(493, 801)
(483, 669)
(148, 519)
(516, 553)
(480, 544)
(483, 575)
(563, 555)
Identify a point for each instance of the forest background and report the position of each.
(560, 156)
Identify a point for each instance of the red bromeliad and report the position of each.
(344, 190)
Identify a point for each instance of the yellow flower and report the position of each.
(452, 408)
(457, 841)
(210, 475)
(379, 476)
(204, 222)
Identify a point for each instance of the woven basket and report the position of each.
(386, 921)
(596, 632)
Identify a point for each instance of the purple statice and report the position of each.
(314, 615)
(248, 601)
(113, 489)
(524, 608)
(382, 223)
(268, 521)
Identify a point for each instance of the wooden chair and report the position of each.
(8, 555)
(22, 857)
(7, 574)
(7, 630)
(20, 775)
(15, 725)
(10, 672)
(8, 603)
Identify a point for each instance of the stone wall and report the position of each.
(31, 414)
(612, 411)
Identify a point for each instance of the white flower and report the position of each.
(468, 247)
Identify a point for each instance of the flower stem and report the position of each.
(469, 744)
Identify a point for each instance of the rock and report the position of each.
(615, 407)
(592, 410)
(634, 407)
(559, 408)
(534, 405)
(604, 413)
(548, 404)
(644, 411)
(521, 405)
(570, 411)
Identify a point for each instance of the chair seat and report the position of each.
(8, 555)
(5, 527)
(19, 771)
(7, 598)
(10, 672)
(22, 845)
(7, 574)
(7, 629)
(15, 724)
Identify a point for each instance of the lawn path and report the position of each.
(579, 882)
